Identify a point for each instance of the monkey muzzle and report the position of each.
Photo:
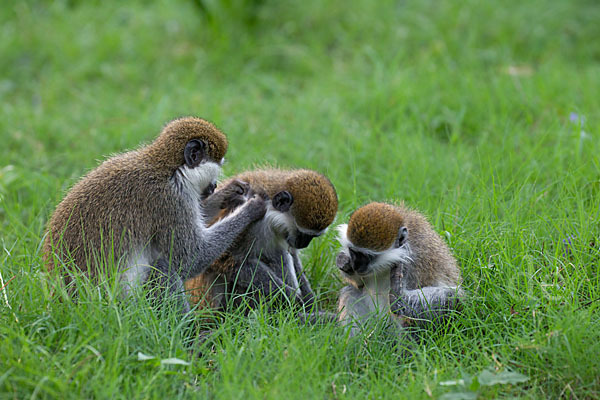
(344, 262)
(356, 262)
(301, 241)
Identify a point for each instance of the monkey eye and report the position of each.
(194, 152)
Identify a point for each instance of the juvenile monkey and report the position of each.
(142, 210)
(264, 259)
(395, 262)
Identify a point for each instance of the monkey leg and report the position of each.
(165, 279)
(428, 303)
(256, 274)
(317, 317)
(308, 296)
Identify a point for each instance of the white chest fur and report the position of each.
(291, 278)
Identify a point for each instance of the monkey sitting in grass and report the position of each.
(397, 267)
(142, 211)
(264, 261)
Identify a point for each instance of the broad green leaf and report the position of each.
(174, 361)
(144, 357)
(487, 378)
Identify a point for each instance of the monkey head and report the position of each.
(190, 151)
(303, 203)
(374, 240)
(307, 203)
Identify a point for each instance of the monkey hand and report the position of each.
(235, 194)
(397, 281)
(256, 207)
(343, 262)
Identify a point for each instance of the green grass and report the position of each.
(459, 108)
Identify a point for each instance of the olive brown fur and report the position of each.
(140, 210)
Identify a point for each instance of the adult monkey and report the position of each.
(396, 265)
(142, 210)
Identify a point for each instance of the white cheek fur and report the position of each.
(277, 221)
(198, 178)
(384, 259)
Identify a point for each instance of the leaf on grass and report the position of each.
(144, 357)
(174, 361)
(488, 378)
(452, 383)
(459, 396)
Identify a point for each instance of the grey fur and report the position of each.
(366, 299)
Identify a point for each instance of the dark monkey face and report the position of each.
(300, 240)
(355, 262)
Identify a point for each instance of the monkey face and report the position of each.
(210, 189)
(357, 262)
(354, 262)
(296, 237)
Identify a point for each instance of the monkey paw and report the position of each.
(235, 194)
(343, 262)
(257, 207)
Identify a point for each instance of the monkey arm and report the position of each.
(183, 240)
(209, 243)
(256, 274)
(308, 296)
(427, 303)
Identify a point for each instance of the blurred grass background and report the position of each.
(483, 115)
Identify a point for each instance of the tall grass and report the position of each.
(482, 115)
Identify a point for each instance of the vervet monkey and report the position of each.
(395, 263)
(142, 210)
(264, 260)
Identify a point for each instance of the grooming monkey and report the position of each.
(395, 262)
(264, 259)
(142, 209)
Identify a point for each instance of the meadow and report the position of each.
(482, 115)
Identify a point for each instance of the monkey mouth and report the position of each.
(300, 240)
(355, 262)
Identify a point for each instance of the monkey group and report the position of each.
(156, 217)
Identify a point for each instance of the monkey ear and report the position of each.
(402, 236)
(194, 152)
(282, 201)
